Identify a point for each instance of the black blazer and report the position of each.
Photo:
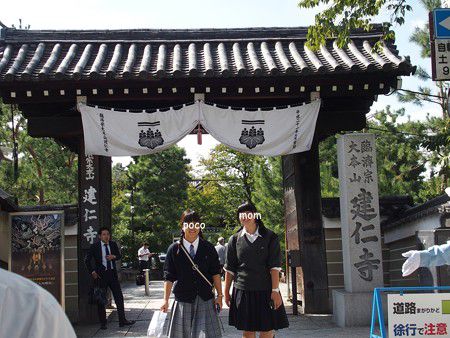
(95, 252)
(187, 282)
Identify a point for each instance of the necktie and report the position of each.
(108, 263)
(191, 251)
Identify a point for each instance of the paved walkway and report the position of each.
(140, 308)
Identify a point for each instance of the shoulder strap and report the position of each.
(194, 266)
(272, 237)
(234, 242)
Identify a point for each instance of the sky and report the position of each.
(129, 14)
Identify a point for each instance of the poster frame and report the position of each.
(47, 212)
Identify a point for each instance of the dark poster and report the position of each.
(36, 249)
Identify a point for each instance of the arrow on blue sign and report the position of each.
(441, 18)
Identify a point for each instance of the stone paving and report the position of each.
(140, 308)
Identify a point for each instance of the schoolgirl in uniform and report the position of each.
(192, 268)
(253, 262)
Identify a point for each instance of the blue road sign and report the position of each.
(441, 17)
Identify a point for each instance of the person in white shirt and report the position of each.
(220, 248)
(437, 255)
(27, 310)
(144, 256)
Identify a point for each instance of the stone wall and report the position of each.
(333, 243)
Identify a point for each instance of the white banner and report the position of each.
(418, 315)
(117, 133)
(270, 133)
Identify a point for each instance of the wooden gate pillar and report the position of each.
(94, 205)
(304, 228)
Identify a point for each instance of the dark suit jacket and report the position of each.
(95, 252)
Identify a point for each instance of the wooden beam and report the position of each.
(100, 90)
(62, 126)
(353, 103)
(330, 124)
(336, 115)
(303, 185)
(71, 143)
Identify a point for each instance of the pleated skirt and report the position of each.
(194, 320)
(250, 311)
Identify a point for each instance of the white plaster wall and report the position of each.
(429, 222)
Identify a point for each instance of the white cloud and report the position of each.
(420, 23)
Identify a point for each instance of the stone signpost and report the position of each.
(360, 224)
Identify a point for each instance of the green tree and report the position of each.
(268, 196)
(119, 200)
(231, 178)
(436, 131)
(47, 170)
(268, 192)
(329, 181)
(121, 216)
(233, 167)
(232, 173)
(340, 17)
(401, 162)
(159, 183)
(203, 197)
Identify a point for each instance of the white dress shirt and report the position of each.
(252, 238)
(104, 260)
(187, 245)
(27, 310)
(143, 251)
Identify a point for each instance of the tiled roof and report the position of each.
(7, 202)
(439, 204)
(389, 206)
(152, 54)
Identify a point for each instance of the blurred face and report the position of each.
(247, 218)
(192, 229)
(105, 236)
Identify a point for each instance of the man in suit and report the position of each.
(105, 253)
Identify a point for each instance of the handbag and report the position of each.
(156, 326)
(97, 294)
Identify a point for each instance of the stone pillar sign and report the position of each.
(360, 225)
(360, 213)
